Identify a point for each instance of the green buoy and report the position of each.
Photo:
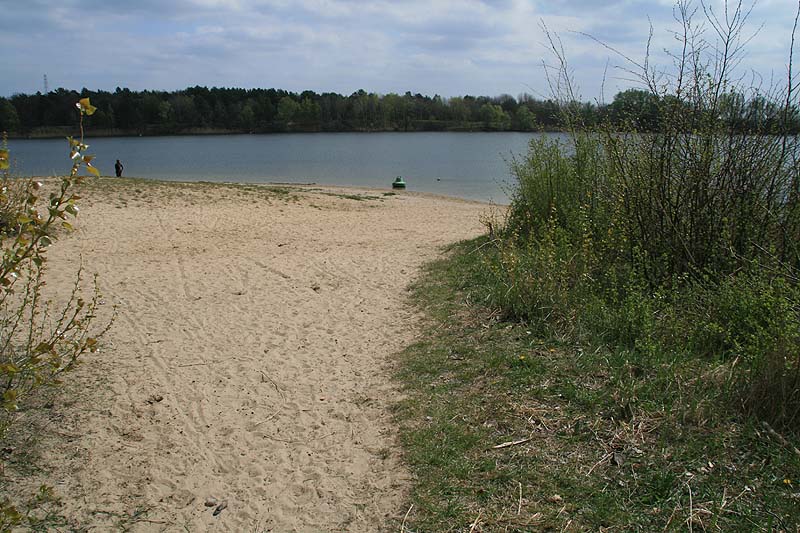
(398, 183)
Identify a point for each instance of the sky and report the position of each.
(444, 47)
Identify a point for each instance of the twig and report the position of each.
(403, 525)
(512, 443)
(780, 438)
(475, 523)
(270, 417)
(264, 375)
(519, 507)
(540, 421)
(198, 364)
(487, 243)
(281, 440)
(671, 516)
(605, 458)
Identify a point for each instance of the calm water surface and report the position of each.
(465, 165)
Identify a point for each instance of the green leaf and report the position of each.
(66, 225)
(3, 159)
(9, 368)
(24, 219)
(43, 347)
(12, 516)
(92, 169)
(10, 400)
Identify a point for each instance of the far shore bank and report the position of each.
(60, 132)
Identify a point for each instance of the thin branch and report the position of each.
(476, 522)
(512, 443)
(405, 518)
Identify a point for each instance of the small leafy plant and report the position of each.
(39, 340)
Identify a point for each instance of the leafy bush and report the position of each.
(681, 239)
(39, 341)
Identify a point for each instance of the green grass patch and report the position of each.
(602, 438)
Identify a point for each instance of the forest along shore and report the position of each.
(248, 370)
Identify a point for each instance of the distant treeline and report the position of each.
(198, 110)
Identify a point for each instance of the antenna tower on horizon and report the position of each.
(46, 87)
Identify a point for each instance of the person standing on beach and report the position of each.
(118, 168)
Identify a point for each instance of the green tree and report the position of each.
(165, 115)
(459, 110)
(9, 120)
(309, 112)
(184, 110)
(636, 108)
(524, 119)
(494, 117)
(247, 117)
(288, 109)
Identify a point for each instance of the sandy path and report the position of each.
(250, 356)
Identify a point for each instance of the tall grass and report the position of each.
(683, 240)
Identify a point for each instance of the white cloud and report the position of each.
(450, 47)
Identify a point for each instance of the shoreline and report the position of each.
(308, 186)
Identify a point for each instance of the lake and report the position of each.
(465, 165)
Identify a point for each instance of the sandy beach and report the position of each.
(249, 367)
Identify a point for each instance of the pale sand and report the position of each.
(251, 356)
